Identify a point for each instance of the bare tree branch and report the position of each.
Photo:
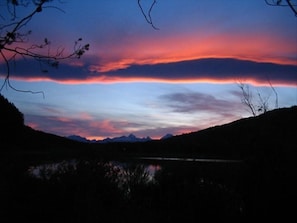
(284, 3)
(7, 81)
(247, 97)
(262, 104)
(275, 93)
(147, 15)
(12, 39)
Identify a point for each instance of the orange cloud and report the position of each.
(256, 47)
(102, 65)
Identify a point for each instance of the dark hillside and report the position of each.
(16, 138)
(267, 136)
(272, 132)
(11, 117)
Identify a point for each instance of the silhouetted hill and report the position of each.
(11, 117)
(271, 134)
(274, 130)
(17, 137)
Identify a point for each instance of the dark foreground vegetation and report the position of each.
(47, 178)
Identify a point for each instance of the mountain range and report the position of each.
(130, 138)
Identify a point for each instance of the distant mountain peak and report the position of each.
(129, 138)
(78, 138)
(167, 136)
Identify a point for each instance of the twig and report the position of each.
(148, 16)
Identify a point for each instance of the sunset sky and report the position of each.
(136, 79)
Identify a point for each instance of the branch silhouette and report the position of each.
(13, 39)
(147, 15)
(284, 3)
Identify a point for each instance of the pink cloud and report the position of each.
(83, 125)
(104, 59)
(258, 47)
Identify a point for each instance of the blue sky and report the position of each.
(135, 79)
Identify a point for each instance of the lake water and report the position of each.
(168, 187)
(45, 171)
(200, 160)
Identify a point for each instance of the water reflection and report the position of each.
(198, 160)
(48, 170)
(164, 192)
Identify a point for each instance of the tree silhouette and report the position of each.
(13, 118)
(147, 15)
(259, 106)
(292, 4)
(14, 39)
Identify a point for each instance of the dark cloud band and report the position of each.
(216, 69)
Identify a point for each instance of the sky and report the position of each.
(134, 79)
